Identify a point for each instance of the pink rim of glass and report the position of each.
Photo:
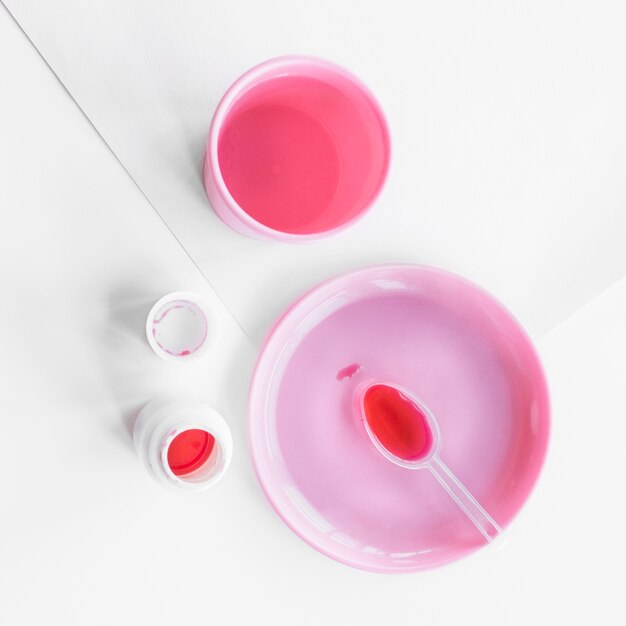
(261, 384)
(221, 198)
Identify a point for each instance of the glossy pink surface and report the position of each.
(451, 344)
(298, 149)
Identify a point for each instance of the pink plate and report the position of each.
(447, 341)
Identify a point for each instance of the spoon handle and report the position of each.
(488, 527)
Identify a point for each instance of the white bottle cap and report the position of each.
(181, 327)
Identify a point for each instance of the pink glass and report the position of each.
(445, 340)
(298, 149)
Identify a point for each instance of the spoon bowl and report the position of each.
(401, 426)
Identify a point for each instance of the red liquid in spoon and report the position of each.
(398, 423)
(189, 451)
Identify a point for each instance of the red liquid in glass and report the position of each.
(189, 451)
(398, 423)
(282, 167)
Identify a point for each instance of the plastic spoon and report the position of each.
(403, 430)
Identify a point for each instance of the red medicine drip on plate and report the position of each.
(398, 423)
(189, 451)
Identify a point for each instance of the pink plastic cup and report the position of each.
(298, 150)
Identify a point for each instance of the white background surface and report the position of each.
(508, 133)
(87, 538)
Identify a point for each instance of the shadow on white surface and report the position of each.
(128, 357)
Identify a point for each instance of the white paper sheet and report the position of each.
(509, 139)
